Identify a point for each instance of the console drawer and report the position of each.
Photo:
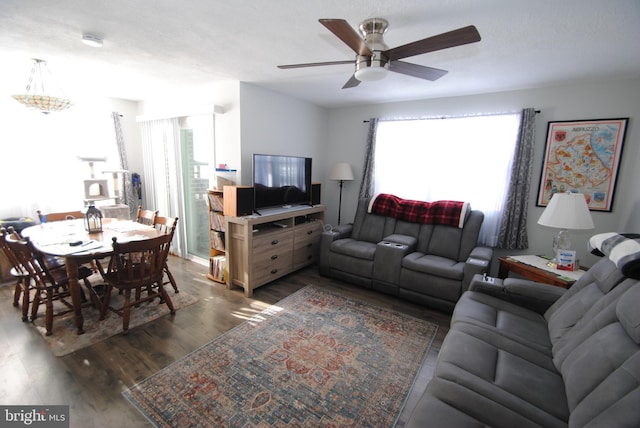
(268, 266)
(271, 241)
(306, 252)
(308, 231)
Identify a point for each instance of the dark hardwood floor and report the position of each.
(91, 380)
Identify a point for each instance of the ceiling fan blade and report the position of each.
(415, 70)
(316, 64)
(461, 36)
(347, 34)
(351, 83)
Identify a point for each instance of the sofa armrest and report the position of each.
(341, 231)
(478, 262)
(532, 295)
(327, 237)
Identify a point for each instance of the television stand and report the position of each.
(259, 252)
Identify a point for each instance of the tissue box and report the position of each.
(566, 260)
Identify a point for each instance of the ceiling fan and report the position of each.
(374, 59)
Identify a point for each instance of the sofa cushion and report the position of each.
(353, 248)
(503, 318)
(434, 265)
(483, 369)
(567, 311)
(607, 276)
(434, 413)
(444, 242)
(588, 370)
(629, 314)
(371, 227)
(522, 348)
(604, 274)
(407, 229)
(595, 316)
(613, 403)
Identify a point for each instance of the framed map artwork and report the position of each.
(583, 156)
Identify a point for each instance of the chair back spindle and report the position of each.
(137, 267)
(168, 225)
(147, 217)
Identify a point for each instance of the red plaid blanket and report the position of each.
(450, 213)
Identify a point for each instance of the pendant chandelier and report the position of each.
(35, 95)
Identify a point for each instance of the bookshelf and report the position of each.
(217, 229)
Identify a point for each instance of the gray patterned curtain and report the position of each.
(366, 187)
(129, 197)
(513, 227)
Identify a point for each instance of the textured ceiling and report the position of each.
(183, 46)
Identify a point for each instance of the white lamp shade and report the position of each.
(567, 211)
(370, 74)
(341, 171)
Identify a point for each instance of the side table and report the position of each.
(534, 268)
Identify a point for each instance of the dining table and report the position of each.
(69, 240)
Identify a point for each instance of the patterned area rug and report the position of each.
(64, 339)
(313, 359)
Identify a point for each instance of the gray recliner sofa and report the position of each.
(523, 354)
(431, 264)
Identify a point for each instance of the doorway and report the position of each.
(179, 166)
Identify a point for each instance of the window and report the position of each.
(41, 169)
(460, 158)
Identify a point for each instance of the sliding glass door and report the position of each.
(179, 162)
(197, 150)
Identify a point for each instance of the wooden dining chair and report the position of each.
(50, 284)
(167, 225)
(19, 273)
(146, 216)
(59, 216)
(137, 266)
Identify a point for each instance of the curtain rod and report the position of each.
(446, 117)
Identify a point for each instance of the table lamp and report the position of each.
(566, 211)
(341, 172)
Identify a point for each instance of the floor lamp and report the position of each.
(341, 172)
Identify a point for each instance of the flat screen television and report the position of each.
(280, 181)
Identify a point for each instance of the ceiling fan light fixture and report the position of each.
(370, 74)
(369, 69)
(92, 40)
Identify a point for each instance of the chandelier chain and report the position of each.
(33, 72)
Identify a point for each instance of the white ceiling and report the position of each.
(186, 46)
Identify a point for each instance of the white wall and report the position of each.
(273, 123)
(606, 99)
(227, 134)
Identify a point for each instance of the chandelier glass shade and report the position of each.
(36, 96)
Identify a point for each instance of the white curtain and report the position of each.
(458, 158)
(162, 181)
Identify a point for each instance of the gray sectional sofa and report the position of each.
(431, 264)
(523, 354)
